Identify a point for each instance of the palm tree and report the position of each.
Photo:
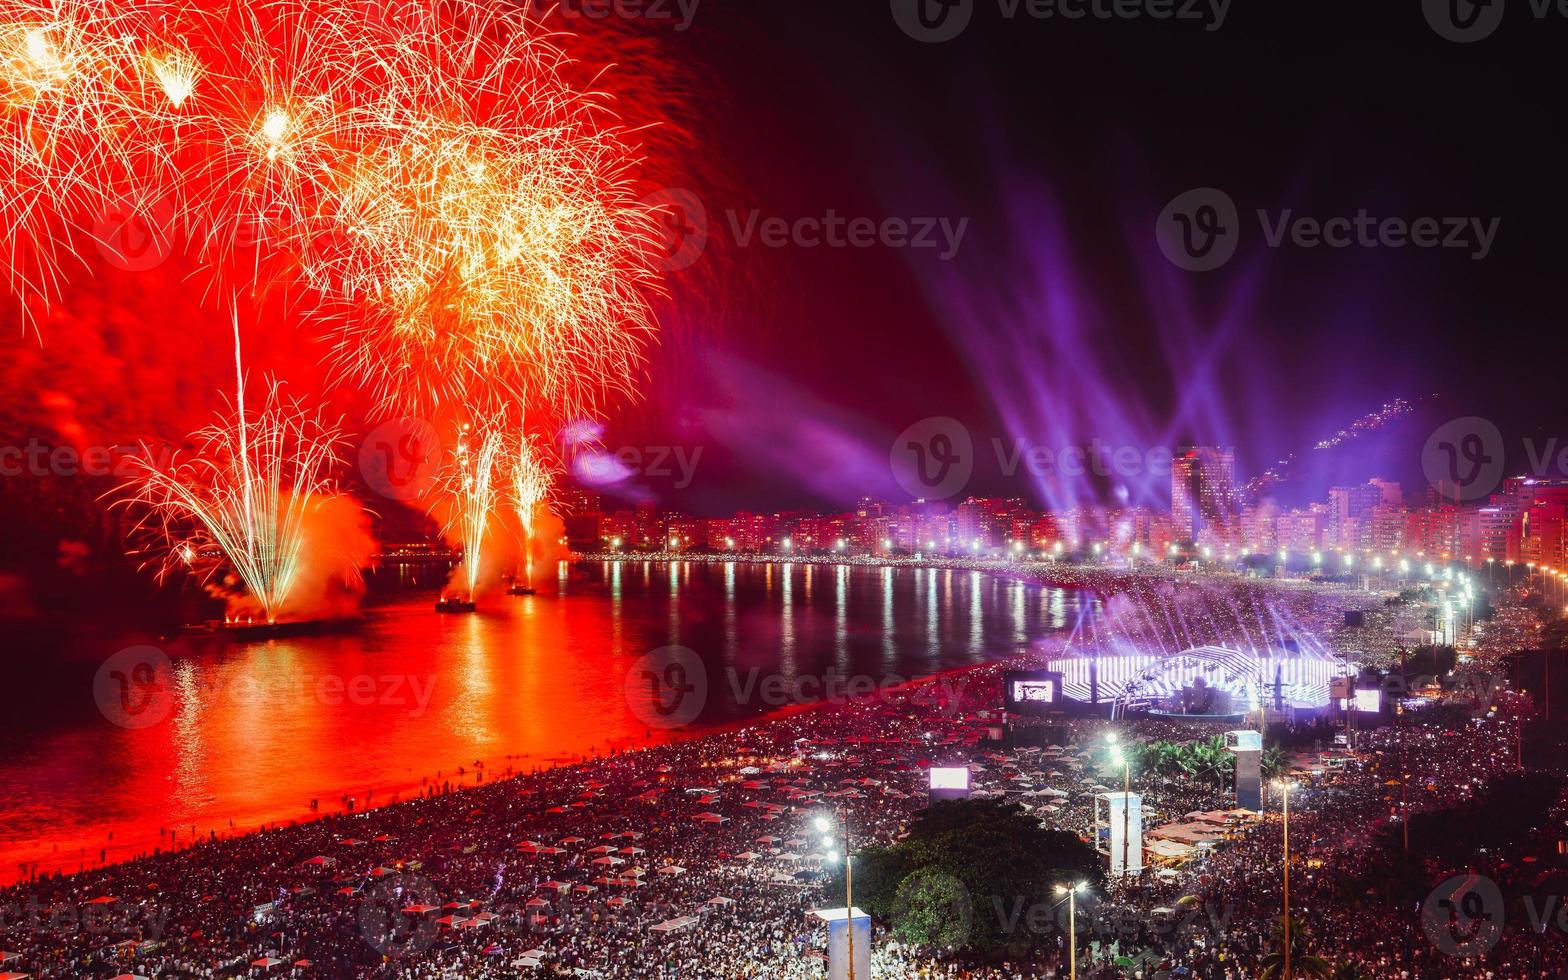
(1209, 759)
(1274, 763)
(1302, 963)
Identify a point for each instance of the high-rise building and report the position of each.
(1300, 530)
(1542, 537)
(1203, 489)
(1349, 513)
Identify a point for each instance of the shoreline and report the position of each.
(401, 789)
(398, 792)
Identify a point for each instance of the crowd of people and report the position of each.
(702, 859)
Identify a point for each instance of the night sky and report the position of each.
(1055, 146)
(1061, 142)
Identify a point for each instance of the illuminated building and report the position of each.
(1203, 480)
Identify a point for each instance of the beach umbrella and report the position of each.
(101, 900)
(266, 962)
(418, 909)
(536, 903)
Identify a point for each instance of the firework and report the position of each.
(243, 499)
(532, 476)
(471, 494)
(461, 217)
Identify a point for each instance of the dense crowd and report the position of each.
(700, 859)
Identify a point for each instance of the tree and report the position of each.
(968, 871)
(1207, 759)
(1274, 763)
(932, 907)
(1302, 962)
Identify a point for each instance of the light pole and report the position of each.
(1072, 926)
(1285, 788)
(1117, 758)
(825, 825)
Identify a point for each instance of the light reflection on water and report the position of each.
(258, 730)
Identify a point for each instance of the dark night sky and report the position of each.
(1061, 142)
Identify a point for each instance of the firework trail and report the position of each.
(532, 477)
(471, 492)
(244, 499)
(424, 178)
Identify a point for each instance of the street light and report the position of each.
(1072, 925)
(826, 826)
(1285, 788)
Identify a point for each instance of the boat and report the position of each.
(522, 590)
(246, 629)
(455, 604)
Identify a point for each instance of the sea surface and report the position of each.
(158, 740)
